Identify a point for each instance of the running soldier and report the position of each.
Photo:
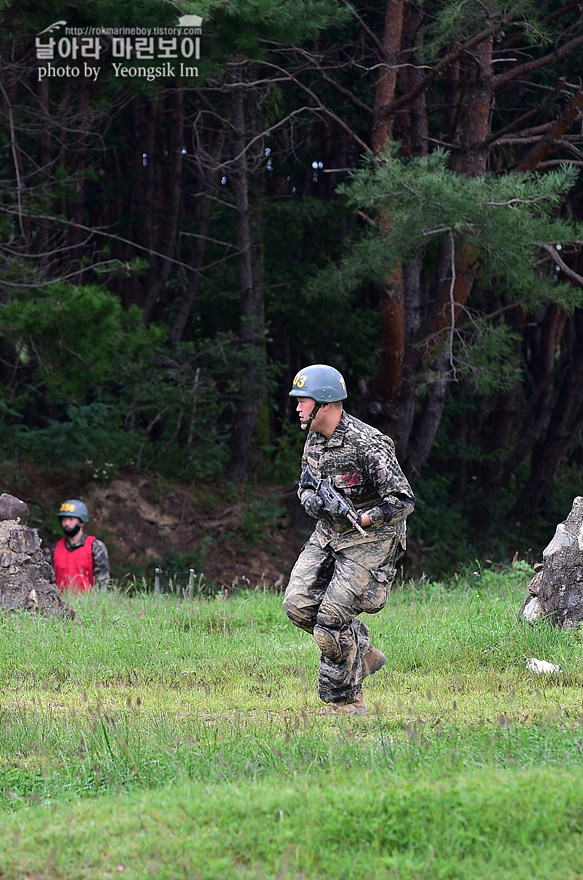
(349, 563)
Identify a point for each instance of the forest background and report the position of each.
(390, 187)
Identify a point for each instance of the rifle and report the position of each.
(331, 498)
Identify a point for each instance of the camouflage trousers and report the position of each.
(326, 591)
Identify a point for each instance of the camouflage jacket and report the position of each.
(362, 466)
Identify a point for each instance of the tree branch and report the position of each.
(570, 273)
(529, 66)
(450, 59)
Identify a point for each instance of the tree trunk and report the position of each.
(190, 294)
(243, 107)
(387, 383)
(164, 195)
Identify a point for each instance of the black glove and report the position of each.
(313, 504)
(337, 507)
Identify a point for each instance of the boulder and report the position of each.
(13, 508)
(27, 580)
(556, 590)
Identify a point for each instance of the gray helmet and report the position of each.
(73, 507)
(322, 383)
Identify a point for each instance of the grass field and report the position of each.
(160, 738)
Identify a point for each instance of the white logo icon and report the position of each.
(53, 27)
(190, 21)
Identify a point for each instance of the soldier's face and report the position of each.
(304, 410)
(71, 525)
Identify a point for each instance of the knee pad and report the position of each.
(328, 641)
(292, 611)
(302, 620)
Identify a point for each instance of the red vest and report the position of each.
(74, 568)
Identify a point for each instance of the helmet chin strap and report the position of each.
(313, 415)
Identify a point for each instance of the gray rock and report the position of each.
(13, 508)
(27, 581)
(556, 591)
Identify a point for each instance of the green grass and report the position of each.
(159, 738)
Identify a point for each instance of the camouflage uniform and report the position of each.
(339, 572)
(100, 563)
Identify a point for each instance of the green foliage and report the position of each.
(258, 516)
(502, 218)
(178, 405)
(246, 27)
(67, 334)
(28, 17)
(282, 457)
(456, 21)
(313, 317)
(370, 259)
(117, 395)
(86, 435)
(441, 525)
(490, 361)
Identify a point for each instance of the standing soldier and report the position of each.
(79, 560)
(353, 485)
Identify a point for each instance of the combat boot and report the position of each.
(372, 661)
(354, 706)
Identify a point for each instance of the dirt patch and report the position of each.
(146, 521)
